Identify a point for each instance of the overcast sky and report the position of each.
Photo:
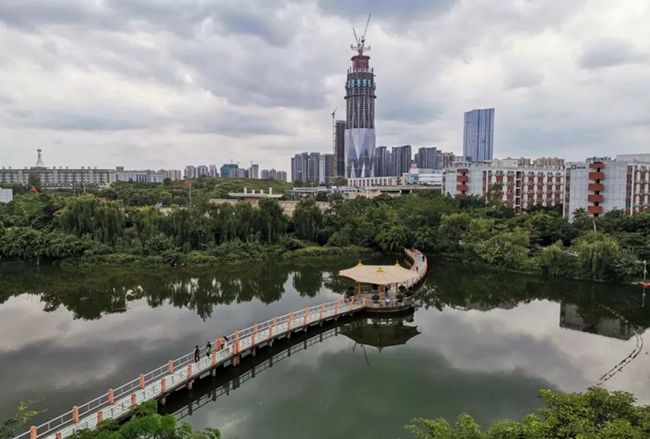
(165, 83)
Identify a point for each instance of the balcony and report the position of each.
(596, 175)
(596, 165)
(595, 187)
(461, 178)
(595, 209)
(593, 198)
(462, 170)
(461, 188)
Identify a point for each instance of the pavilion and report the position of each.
(380, 275)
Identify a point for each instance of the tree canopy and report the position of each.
(594, 414)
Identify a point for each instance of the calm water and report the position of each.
(481, 342)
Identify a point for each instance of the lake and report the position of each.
(480, 341)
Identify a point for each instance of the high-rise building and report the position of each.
(427, 158)
(202, 171)
(254, 171)
(280, 175)
(190, 172)
(172, 174)
(446, 160)
(214, 172)
(313, 167)
(229, 170)
(478, 136)
(382, 162)
(401, 160)
(339, 148)
(299, 165)
(360, 114)
(326, 168)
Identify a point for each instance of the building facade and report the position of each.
(53, 178)
(229, 170)
(427, 158)
(382, 162)
(375, 181)
(254, 171)
(478, 135)
(326, 168)
(400, 160)
(519, 188)
(6, 195)
(339, 147)
(360, 116)
(139, 176)
(600, 185)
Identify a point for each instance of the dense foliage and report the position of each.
(595, 414)
(10, 427)
(56, 226)
(147, 423)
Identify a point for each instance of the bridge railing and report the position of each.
(237, 341)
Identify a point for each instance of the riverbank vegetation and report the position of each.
(594, 414)
(51, 227)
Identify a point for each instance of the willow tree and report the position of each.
(97, 218)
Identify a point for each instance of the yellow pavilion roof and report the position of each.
(378, 274)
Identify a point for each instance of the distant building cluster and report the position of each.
(69, 178)
(147, 175)
(232, 170)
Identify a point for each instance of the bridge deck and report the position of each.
(158, 383)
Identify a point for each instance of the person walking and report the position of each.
(208, 349)
(197, 353)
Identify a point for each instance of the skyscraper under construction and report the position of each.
(360, 114)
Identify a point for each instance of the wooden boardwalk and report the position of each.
(183, 371)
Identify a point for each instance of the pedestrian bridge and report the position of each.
(158, 383)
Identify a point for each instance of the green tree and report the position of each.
(307, 219)
(452, 228)
(600, 257)
(272, 222)
(147, 423)
(594, 414)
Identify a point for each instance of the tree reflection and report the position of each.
(89, 294)
(611, 310)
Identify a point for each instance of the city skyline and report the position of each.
(566, 79)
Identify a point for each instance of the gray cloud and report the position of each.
(386, 9)
(610, 52)
(245, 73)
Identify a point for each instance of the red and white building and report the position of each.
(597, 185)
(521, 187)
(602, 184)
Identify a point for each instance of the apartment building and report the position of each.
(521, 187)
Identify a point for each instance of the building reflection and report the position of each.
(380, 332)
(573, 317)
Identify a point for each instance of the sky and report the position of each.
(167, 83)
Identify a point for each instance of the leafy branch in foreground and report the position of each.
(9, 427)
(594, 414)
(147, 422)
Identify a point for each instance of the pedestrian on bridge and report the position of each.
(208, 349)
(197, 353)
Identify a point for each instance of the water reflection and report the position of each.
(363, 330)
(474, 328)
(90, 294)
(381, 332)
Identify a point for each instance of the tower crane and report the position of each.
(361, 42)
